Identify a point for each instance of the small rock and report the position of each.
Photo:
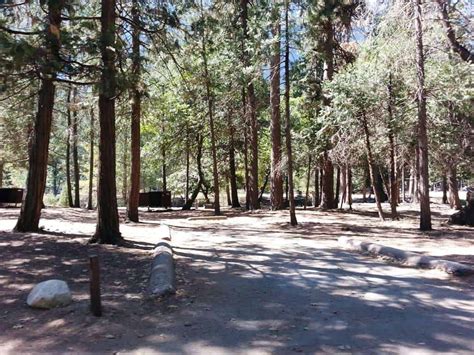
(49, 294)
(18, 326)
(109, 336)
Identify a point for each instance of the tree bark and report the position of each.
(308, 181)
(107, 229)
(68, 149)
(327, 198)
(232, 169)
(316, 188)
(327, 188)
(134, 194)
(372, 167)
(91, 160)
(454, 200)
(38, 153)
(391, 139)
(252, 117)
(289, 153)
(349, 186)
(186, 191)
(125, 169)
(1, 173)
(444, 185)
(246, 145)
(338, 185)
(75, 153)
(210, 107)
(425, 212)
(190, 201)
(343, 182)
(276, 179)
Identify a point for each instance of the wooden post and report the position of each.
(96, 307)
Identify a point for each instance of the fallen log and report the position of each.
(162, 279)
(408, 258)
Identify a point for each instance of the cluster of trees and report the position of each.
(197, 96)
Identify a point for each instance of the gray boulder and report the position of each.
(49, 294)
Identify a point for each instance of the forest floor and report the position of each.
(250, 284)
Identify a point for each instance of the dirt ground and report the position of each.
(250, 284)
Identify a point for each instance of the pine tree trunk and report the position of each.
(454, 200)
(190, 201)
(125, 169)
(30, 213)
(91, 160)
(252, 118)
(327, 198)
(308, 181)
(338, 185)
(349, 186)
(68, 150)
(372, 167)
(75, 153)
(134, 195)
(227, 191)
(107, 229)
(425, 212)
(444, 185)
(327, 188)
(391, 139)
(289, 153)
(316, 188)
(232, 169)
(186, 190)
(1, 173)
(210, 107)
(343, 182)
(246, 145)
(276, 177)
(164, 183)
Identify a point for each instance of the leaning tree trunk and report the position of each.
(91, 160)
(423, 183)
(38, 153)
(107, 229)
(134, 194)
(276, 177)
(289, 153)
(371, 162)
(455, 45)
(252, 116)
(75, 153)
